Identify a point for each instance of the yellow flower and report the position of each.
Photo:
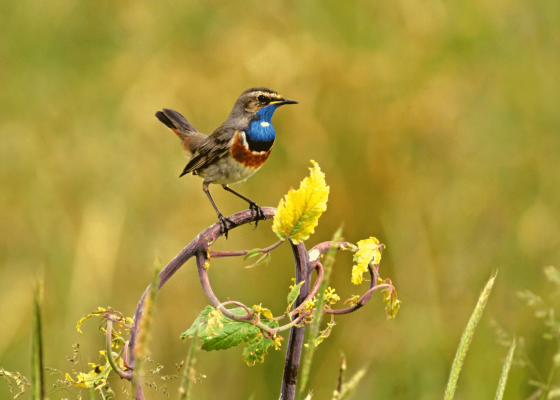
(278, 341)
(309, 304)
(330, 296)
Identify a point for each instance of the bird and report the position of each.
(235, 150)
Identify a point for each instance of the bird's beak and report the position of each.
(283, 101)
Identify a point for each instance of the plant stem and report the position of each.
(295, 341)
(218, 254)
(199, 244)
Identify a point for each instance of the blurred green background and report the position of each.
(435, 122)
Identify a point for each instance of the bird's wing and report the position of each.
(215, 146)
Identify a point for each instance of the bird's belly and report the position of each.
(227, 171)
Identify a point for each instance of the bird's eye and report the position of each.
(262, 98)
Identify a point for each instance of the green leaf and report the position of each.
(252, 253)
(256, 349)
(298, 213)
(230, 333)
(293, 295)
(265, 259)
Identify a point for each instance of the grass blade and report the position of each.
(144, 324)
(505, 372)
(189, 374)
(314, 327)
(466, 339)
(37, 379)
(343, 390)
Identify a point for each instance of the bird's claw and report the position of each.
(260, 213)
(224, 222)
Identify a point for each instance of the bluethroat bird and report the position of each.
(236, 149)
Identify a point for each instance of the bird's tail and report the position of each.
(190, 137)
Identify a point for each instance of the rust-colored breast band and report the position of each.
(245, 156)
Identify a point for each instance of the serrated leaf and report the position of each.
(256, 349)
(369, 252)
(393, 304)
(252, 253)
(265, 259)
(293, 295)
(230, 334)
(298, 213)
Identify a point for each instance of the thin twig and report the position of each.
(218, 254)
(109, 341)
(315, 265)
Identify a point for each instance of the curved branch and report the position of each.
(237, 303)
(109, 341)
(321, 248)
(365, 298)
(203, 275)
(200, 243)
(314, 265)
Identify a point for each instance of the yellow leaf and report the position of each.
(264, 311)
(94, 313)
(299, 212)
(369, 252)
(95, 378)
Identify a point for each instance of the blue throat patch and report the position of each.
(261, 135)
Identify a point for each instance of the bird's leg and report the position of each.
(252, 205)
(223, 220)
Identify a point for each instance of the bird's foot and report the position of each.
(224, 221)
(260, 213)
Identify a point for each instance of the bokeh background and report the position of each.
(436, 124)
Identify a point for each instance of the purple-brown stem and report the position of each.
(199, 244)
(295, 341)
(199, 248)
(108, 347)
(315, 265)
(363, 300)
(203, 275)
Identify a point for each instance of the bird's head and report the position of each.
(259, 101)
